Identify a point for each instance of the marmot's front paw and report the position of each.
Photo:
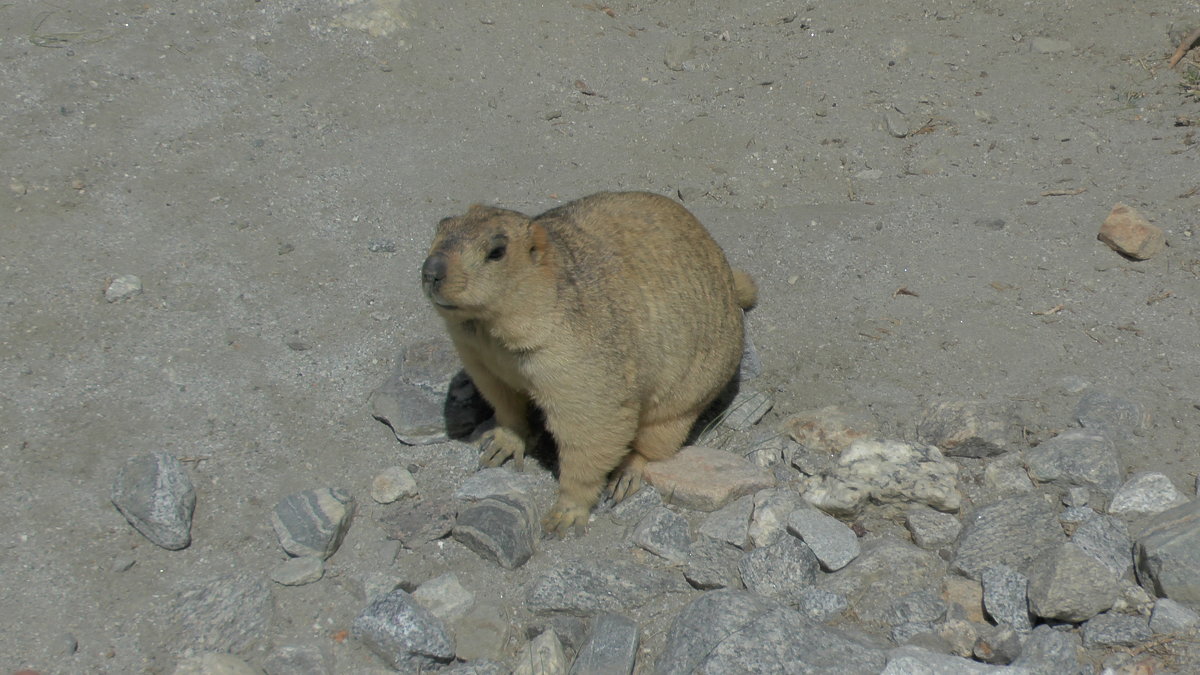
(498, 445)
(627, 478)
(564, 516)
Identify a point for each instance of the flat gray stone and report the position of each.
(298, 571)
(419, 521)
(403, 633)
(771, 510)
(1106, 539)
(155, 494)
(739, 632)
(887, 569)
(1005, 597)
(1171, 617)
(1146, 493)
(610, 648)
(228, 614)
(445, 597)
(313, 522)
(923, 606)
(780, 570)
(636, 506)
(425, 399)
(298, 660)
(1079, 457)
(588, 587)
(1116, 630)
(499, 529)
(1012, 531)
(819, 604)
(746, 409)
(497, 481)
(1110, 414)
(965, 429)
(932, 529)
(123, 287)
(1051, 652)
(664, 533)
(887, 471)
(712, 564)
(1068, 584)
(482, 667)
(730, 523)
(1167, 555)
(831, 540)
(913, 660)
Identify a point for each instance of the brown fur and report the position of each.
(617, 314)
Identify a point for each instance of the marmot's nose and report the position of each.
(434, 269)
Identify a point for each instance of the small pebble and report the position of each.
(391, 484)
(123, 287)
(381, 246)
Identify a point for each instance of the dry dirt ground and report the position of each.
(243, 158)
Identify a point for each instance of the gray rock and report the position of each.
(780, 570)
(1005, 597)
(499, 529)
(663, 533)
(1068, 584)
(418, 521)
(415, 415)
(123, 287)
(679, 52)
(712, 564)
(445, 597)
(965, 429)
(1171, 617)
(819, 604)
(1167, 555)
(542, 656)
(1106, 539)
(298, 660)
(1110, 414)
(495, 482)
(1078, 457)
(213, 663)
(913, 660)
(588, 587)
(1012, 531)
(391, 484)
(571, 630)
(298, 571)
(895, 125)
(739, 632)
(482, 667)
(771, 510)
(831, 540)
(887, 471)
(1146, 493)
(730, 523)
(313, 522)
(886, 569)
(998, 645)
(1001, 479)
(229, 614)
(1051, 652)
(403, 633)
(1116, 630)
(424, 401)
(636, 506)
(1077, 496)
(746, 409)
(920, 606)
(610, 649)
(769, 452)
(932, 529)
(1074, 516)
(751, 366)
(483, 634)
(904, 633)
(155, 494)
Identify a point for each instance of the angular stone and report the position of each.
(482, 667)
(542, 656)
(739, 632)
(610, 649)
(123, 287)
(1005, 597)
(769, 452)
(418, 521)
(1103, 411)
(780, 570)
(746, 409)
(831, 540)
(911, 660)
(298, 660)
(1167, 555)
(445, 597)
(664, 533)
(424, 401)
(920, 606)
(313, 522)
(1171, 617)
(771, 509)
(819, 604)
(1116, 630)
(1067, 584)
(730, 523)
(712, 564)
(1001, 480)
(963, 598)
(1012, 531)
(155, 494)
(571, 630)
(886, 569)
(965, 429)
(636, 506)
(1146, 493)
(588, 587)
(403, 633)
(499, 529)
(299, 571)
(1127, 231)
(887, 471)
(703, 479)
(997, 645)
(482, 634)
(1050, 652)
(391, 484)
(932, 529)
(1106, 539)
(228, 614)
(495, 482)
(1077, 458)
(831, 429)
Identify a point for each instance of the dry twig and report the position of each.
(1184, 47)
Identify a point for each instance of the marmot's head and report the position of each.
(481, 261)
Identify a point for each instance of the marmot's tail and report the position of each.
(745, 289)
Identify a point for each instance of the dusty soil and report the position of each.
(243, 159)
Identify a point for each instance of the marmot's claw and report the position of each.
(563, 518)
(500, 444)
(624, 485)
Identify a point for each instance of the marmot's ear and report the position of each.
(538, 241)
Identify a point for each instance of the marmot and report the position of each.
(617, 314)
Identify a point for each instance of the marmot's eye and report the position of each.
(497, 252)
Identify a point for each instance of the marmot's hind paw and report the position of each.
(498, 445)
(564, 517)
(627, 478)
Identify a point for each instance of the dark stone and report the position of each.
(610, 649)
(403, 633)
(588, 587)
(415, 522)
(499, 529)
(1167, 555)
(780, 570)
(313, 522)
(1011, 532)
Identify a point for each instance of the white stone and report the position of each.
(1146, 493)
(445, 597)
(542, 656)
(887, 471)
(122, 288)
